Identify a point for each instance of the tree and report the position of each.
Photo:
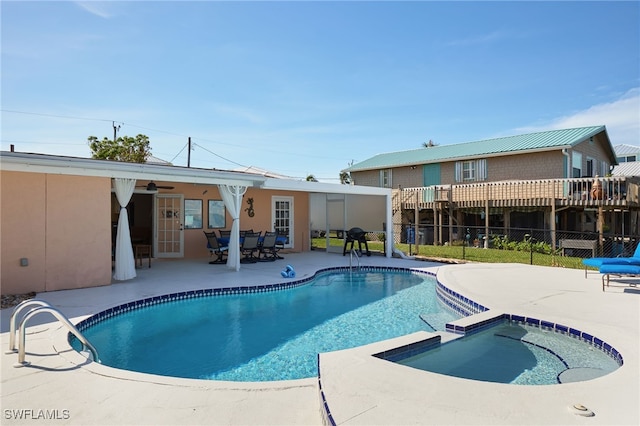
(125, 148)
(311, 178)
(345, 178)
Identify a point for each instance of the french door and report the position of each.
(169, 241)
(282, 217)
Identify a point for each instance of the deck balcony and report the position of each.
(618, 192)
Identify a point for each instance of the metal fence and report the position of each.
(520, 245)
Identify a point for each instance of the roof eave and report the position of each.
(463, 158)
(41, 163)
(322, 187)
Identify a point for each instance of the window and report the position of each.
(468, 170)
(471, 170)
(590, 167)
(576, 164)
(385, 178)
(193, 214)
(217, 214)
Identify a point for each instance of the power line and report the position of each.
(220, 156)
(53, 115)
(179, 152)
(41, 143)
(161, 131)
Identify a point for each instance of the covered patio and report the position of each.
(57, 210)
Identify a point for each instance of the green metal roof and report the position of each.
(552, 139)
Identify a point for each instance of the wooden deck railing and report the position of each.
(616, 191)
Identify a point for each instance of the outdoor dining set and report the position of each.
(254, 246)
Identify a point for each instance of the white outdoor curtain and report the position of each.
(232, 197)
(125, 263)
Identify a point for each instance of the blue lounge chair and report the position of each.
(597, 262)
(619, 270)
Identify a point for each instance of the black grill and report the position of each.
(359, 236)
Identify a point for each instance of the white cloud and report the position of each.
(238, 113)
(102, 9)
(621, 117)
(480, 39)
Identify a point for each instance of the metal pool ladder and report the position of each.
(42, 306)
(351, 254)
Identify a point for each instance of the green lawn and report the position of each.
(470, 254)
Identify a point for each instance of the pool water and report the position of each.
(267, 336)
(516, 354)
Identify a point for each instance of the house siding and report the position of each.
(540, 165)
(593, 150)
(368, 178)
(533, 165)
(61, 225)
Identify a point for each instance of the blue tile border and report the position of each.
(327, 418)
(456, 302)
(407, 351)
(227, 291)
(569, 332)
(451, 300)
(466, 307)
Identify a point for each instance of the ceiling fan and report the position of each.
(151, 186)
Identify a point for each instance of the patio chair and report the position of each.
(281, 240)
(215, 248)
(243, 232)
(249, 248)
(598, 262)
(619, 270)
(268, 251)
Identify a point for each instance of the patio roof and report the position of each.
(44, 163)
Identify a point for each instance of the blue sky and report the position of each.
(303, 88)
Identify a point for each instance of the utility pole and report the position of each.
(189, 153)
(115, 130)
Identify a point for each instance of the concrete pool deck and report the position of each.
(359, 389)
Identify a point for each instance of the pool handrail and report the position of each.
(45, 307)
(351, 254)
(14, 315)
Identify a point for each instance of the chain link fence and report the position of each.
(512, 245)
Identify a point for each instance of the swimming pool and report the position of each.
(515, 353)
(258, 334)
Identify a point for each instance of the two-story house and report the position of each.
(628, 160)
(538, 180)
